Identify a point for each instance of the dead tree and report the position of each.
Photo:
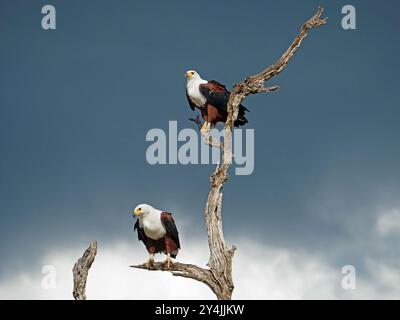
(81, 271)
(218, 274)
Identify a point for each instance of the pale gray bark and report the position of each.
(81, 271)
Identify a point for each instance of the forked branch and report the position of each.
(218, 275)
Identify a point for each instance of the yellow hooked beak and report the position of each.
(137, 211)
(189, 74)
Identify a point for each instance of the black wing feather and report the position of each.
(171, 229)
(141, 235)
(218, 99)
(191, 104)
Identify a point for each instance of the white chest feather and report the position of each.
(194, 93)
(152, 226)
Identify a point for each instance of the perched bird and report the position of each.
(158, 232)
(211, 97)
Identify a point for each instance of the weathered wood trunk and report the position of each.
(218, 275)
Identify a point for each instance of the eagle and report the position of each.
(211, 98)
(157, 230)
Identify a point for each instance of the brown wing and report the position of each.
(170, 227)
(218, 96)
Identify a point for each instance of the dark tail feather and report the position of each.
(241, 119)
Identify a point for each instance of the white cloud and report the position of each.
(267, 273)
(259, 273)
(388, 222)
(385, 275)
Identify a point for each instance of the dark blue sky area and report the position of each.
(76, 104)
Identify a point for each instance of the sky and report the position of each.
(76, 104)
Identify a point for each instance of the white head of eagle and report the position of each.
(211, 98)
(157, 230)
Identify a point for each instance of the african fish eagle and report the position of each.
(211, 98)
(158, 232)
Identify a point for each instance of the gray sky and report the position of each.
(76, 103)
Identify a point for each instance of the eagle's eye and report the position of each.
(192, 73)
(140, 209)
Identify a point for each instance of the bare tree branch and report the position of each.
(255, 84)
(218, 275)
(182, 270)
(81, 271)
